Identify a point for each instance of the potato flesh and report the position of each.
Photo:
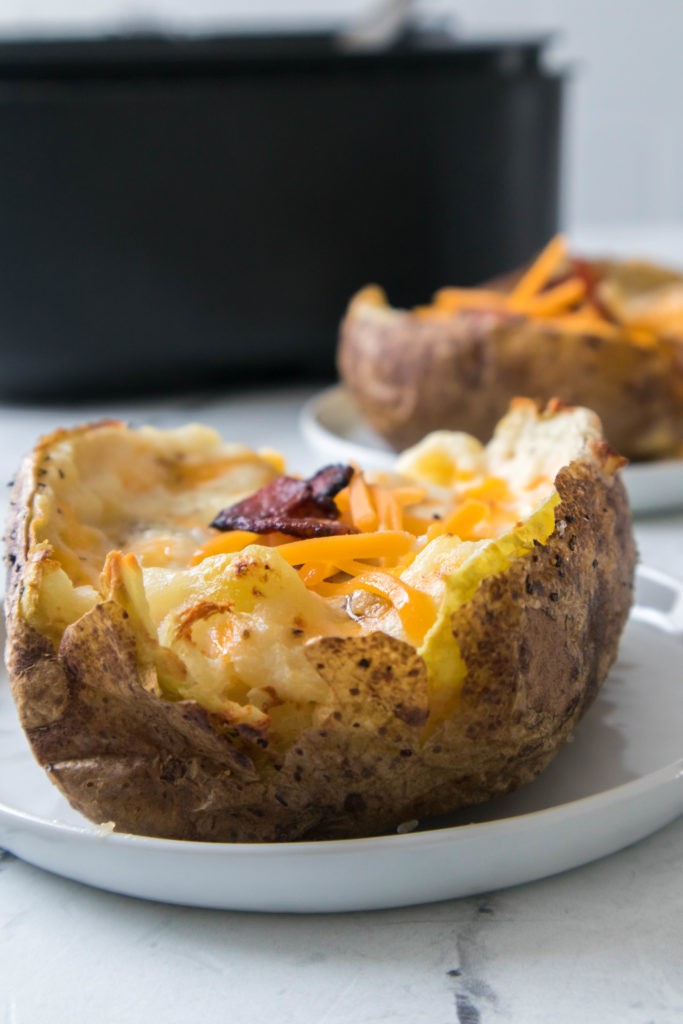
(526, 455)
(258, 618)
(118, 489)
(239, 623)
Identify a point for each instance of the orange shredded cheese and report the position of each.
(491, 490)
(361, 505)
(557, 299)
(313, 573)
(540, 271)
(452, 299)
(225, 544)
(388, 507)
(379, 544)
(646, 336)
(465, 518)
(415, 608)
(462, 522)
(371, 507)
(586, 324)
(565, 306)
(416, 524)
(409, 495)
(392, 529)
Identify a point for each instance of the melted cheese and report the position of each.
(224, 618)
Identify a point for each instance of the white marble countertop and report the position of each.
(601, 943)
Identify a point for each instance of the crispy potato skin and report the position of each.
(537, 639)
(410, 376)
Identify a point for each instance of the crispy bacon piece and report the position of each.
(301, 508)
(591, 279)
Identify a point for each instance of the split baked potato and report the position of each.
(202, 647)
(605, 335)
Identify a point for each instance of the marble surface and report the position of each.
(601, 943)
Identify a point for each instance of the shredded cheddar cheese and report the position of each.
(556, 299)
(389, 510)
(361, 505)
(453, 299)
(382, 544)
(225, 544)
(415, 609)
(540, 272)
(313, 573)
(555, 290)
(463, 519)
(393, 521)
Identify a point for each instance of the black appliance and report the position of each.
(179, 211)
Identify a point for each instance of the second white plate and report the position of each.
(335, 429)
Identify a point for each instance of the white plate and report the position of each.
(619, 780)
(335, 429)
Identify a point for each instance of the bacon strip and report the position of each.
(589, 276)
(301, 508)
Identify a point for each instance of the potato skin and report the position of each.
(537, 639)
(410, 376)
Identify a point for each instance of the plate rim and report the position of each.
(671, 773)
(315, 431)
(668, 774)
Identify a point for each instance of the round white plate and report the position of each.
(335, 429)
(619, 780)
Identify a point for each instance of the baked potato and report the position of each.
(202, 647)
(605, 335)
